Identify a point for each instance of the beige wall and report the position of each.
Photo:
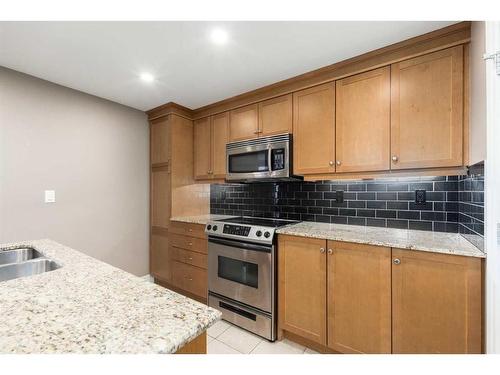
(477, 146)
(94, 153)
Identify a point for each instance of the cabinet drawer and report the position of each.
(189, 278)
(189, 243)
(188, 229)
(189, 257)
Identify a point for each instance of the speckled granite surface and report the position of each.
(88, 306)
(436, 242)
(200, 219)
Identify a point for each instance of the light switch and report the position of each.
(50, 196)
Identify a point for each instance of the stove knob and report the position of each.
(267, 234)
(258, 233)
(214, 228)
(209, 227)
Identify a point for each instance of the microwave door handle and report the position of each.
(269, 162)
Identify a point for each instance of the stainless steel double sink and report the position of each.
(22, 262)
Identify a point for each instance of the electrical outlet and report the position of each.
(339, 196)
(420, 197)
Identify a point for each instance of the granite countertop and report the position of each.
(88, 306)
(200, 219)
(436, 242)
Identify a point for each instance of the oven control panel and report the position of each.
(238, 230)
(250, 233)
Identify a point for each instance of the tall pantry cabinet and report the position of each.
(172, 190)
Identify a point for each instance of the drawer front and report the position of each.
(189, 257)
(188, 229)
(189, 243)
(189, 278)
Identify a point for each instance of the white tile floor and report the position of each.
(225, 338)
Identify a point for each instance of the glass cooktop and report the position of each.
(262, 221)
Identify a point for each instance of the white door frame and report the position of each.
(492, 191)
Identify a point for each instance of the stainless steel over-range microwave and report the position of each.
(261, 159)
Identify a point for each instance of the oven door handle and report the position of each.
(241, 245)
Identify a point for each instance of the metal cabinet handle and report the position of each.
(394, 158)
(322, 250)
(330, 251)
(190, 244)
(331, 162)
(396, 261)
(338, 162)
(190, 230)
(190, 258)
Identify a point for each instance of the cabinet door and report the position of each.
(243, 123)
(160, 260)
(427, 110)
(436, 303)
(359, 298)
(159, 139)
(314, 130)
(202, 144)
(302, 287)
(275, 116)
(220, 133)
(363, 122)
(160, 197)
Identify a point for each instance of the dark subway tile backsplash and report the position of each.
(471, 205)
(380, 202)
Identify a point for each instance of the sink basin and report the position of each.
(18, 255)
(27, 268)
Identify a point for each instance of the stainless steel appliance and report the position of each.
(242, 271)
(259, 160)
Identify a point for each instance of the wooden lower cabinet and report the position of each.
(359, 298)
(196, 346)
(189, 278)
(160, 260)
(436, 302)
(354, 298)
(302, 287)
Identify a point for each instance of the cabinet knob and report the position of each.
(322, 250)
(190, 258)
(330, 251)
(338, 162)
(190, 230)
(190, 244)
(331, 162)
(396, 261)
(394, 158)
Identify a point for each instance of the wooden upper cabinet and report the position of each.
(427, 110)
(314, 130)
(220, 136)
(202, 145)
(275, 116)
(159, 139)
(436, 301)
(302, 287)
(359, 298)
(363, 122)
(244, 123)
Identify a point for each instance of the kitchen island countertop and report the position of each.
(88, 306)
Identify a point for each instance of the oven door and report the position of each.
(241, 271)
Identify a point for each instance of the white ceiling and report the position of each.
(106, 58)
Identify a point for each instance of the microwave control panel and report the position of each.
(277, 159)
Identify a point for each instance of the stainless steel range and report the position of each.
(242, 271)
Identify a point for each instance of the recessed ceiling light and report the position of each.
(147, 77)
(219, 36)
